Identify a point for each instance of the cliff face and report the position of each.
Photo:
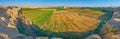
(107, 31)
(10, 18)
(115, 21)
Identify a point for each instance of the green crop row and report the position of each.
(39, 17)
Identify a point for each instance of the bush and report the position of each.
(108, 31)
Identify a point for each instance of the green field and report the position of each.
(27, 9)
(39, 17)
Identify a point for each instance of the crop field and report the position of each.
(27, 9)
(38, 16)
(62, 22)
(65, 21)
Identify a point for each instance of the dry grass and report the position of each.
(65, 21)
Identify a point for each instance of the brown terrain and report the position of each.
(66, 21)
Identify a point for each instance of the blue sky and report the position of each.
(78, 3)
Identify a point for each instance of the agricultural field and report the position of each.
(27, 9)
(65, 21)
(38, 16)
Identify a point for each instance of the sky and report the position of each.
(77, 3)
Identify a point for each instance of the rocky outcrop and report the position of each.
(96, 36)
(93, 36)
(55, 38)
(4, 36)
(117, 36)
(10, 18)
(115, 23)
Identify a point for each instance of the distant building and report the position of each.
(64, 7)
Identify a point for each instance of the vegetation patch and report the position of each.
(39, 17)
(27, 9)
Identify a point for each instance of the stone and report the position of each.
(4, 36)
(2, 19)
(116, 36)
(9, 21)
(93, 36)
(55, 38)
